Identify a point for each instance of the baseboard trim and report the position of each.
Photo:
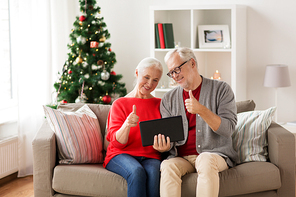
(8, 178)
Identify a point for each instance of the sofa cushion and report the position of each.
(88, 180)
(100, 110)
(249, 137)
(78, 135)
(244, 106)
(245, 178)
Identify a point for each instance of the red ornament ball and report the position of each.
(70, 71)
(106, 99)
(64, 101)
(82, 18)
(112, 73)
(109, 49)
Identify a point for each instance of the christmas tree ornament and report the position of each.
(64, 101)
(109, 49)
(105, 75)
(102, 39)
(113, 73)
(100, 62)
(82, 18)
(106, 99)
(94, 44)
(81, 99)
(84, 64)
(70, 72)
(101, 83)
(114, 97)
(79, 60)
(81, 40)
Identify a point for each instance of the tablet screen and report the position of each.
(170, 126)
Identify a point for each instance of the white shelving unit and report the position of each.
(230, 62)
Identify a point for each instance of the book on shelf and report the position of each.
(168, 35)
(293, 123)
(164, 36)
(161, 36)
(157, 43)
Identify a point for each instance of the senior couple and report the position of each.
(210, 110)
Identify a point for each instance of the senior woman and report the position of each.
(126, 156)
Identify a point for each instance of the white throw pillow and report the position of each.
(249, 138)
(78, 135)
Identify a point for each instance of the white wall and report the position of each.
(271, 30)
(270, 39)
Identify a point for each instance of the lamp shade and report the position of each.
(277, 75)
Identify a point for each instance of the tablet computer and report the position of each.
(170, 126)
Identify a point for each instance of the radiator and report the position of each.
(8, 156)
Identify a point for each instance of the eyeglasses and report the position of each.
(177, 70)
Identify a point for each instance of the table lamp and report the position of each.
(276, 76)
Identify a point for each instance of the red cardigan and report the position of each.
(146, 109)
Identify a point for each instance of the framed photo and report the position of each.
(213, 36)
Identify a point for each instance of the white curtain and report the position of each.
(39, 37)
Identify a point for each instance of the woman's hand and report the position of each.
(132, 119)
(161, 144)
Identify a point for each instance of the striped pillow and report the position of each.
(249, 138)
(78, 134)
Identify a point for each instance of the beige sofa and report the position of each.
(252, 179)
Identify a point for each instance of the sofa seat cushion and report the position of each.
(245, 178)
(88, 180)
(95, 180)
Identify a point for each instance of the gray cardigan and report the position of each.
(219, 98)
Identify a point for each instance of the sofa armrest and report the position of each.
(44, 160)
(281, 148)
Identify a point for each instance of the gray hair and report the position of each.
(149, 62)
(184, 53)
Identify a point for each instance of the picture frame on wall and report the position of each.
(213, 36)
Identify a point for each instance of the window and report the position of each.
(8, 108)
(5, 67)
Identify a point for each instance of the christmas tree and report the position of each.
(87, 74)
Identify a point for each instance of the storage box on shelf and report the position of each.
(230, 60)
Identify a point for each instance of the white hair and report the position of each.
(149, 62)
(184, 53)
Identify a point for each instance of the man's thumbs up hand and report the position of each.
(191, 104)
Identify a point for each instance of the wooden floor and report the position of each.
(20, 187)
